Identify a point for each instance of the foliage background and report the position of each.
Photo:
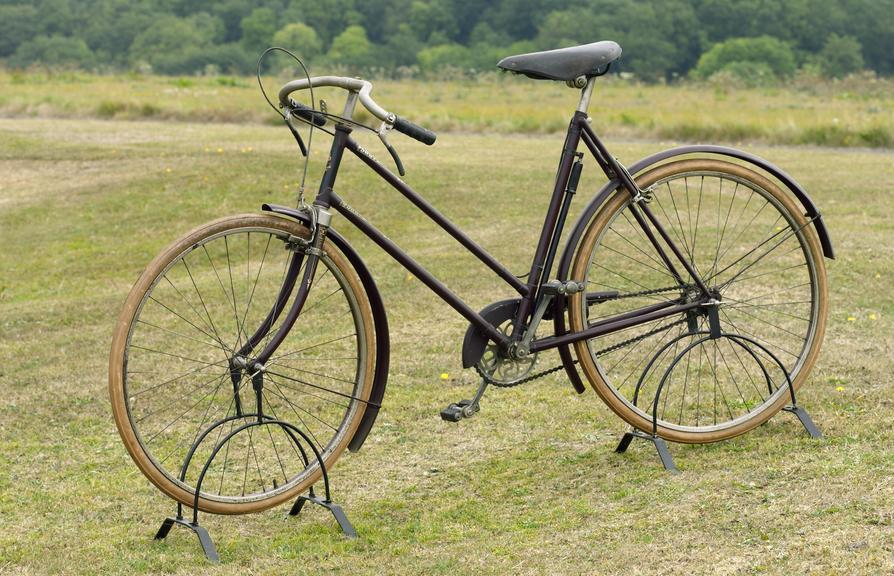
(761, 40)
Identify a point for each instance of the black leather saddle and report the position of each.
(565, 63)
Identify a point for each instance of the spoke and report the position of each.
(286, 355)
(202, 300)
(698, 215)
(241, 326)
(278, 392)
(790, 234)
(181, 376)
(226, 295)
(746, 228)
(665, 272)
(641, 251)
(187, 411)
(777, 271)
(733, 378)
(295, 368)
(336, 392)
(667, 217)
(179, 400)
(232, 286)
(762, 341)
(306, 393)
(768, 323)
(211, 344)
(163, 305)
(175, 355)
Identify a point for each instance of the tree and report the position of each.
(53, 51)
(165, 43)
(352, 48)
(18, 24)
(300, 39)
(258, 29)
(840, 56)
(764, 50)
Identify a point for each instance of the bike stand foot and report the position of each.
(336, 510)
(660, 445)
(204, 537)
(806, 420)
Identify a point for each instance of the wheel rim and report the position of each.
(717, 217)
(195, 313)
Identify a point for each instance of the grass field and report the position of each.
(855, 112)
(529, 486)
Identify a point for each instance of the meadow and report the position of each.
(89, 192)
(857, 111)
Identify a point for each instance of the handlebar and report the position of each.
(362, 88)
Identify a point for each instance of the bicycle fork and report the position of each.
(304, 252)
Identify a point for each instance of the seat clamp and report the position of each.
(578, 82)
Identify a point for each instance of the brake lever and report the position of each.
(294, 131)
(383, 136)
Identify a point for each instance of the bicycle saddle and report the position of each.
(564, 63)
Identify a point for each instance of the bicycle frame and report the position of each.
(530, 291)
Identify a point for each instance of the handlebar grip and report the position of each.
(414, 131)
(306, 112)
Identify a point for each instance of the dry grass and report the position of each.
(530, 486)
(856, 112)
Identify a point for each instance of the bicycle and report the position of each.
(691, 294)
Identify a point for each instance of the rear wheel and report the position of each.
(172, 364)
(758, 255)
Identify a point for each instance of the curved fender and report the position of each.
(383, 349)
(810, 209)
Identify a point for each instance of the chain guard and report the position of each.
(475, 341)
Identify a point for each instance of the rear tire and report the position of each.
(727, 219)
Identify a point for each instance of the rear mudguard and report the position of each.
(810, 210)
(383, 350)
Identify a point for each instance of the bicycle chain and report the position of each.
(612, 348)
(523, 380)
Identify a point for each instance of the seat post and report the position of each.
(585, 94)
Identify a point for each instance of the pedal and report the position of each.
(459, 410)
(452, 413)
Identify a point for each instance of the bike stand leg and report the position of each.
(806, 420)
(336, 510)
(663, 453)
(204, 537)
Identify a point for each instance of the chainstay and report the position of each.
(612, 348)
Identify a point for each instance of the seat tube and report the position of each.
(572, 140)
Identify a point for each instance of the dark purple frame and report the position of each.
(578, 130)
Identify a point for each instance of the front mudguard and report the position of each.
(383, 348)
(810, 211)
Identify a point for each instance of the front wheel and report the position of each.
(758, 256)
(178, 364)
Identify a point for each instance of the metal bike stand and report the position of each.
(713, 333)
(660, 445)
(293, 432)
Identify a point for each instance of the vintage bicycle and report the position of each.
(691, 294)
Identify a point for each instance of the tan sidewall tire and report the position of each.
(122, 329)
(581, 262)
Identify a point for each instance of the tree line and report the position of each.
(662, 39)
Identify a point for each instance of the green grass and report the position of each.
(856, 112)
(529, 486)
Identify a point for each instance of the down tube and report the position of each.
(418, 270)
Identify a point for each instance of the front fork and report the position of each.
(305, 251)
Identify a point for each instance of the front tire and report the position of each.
(171, 375)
